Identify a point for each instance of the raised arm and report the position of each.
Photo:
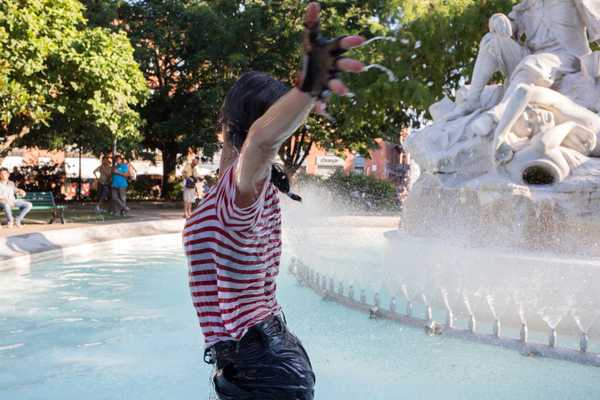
(268, 133)
(265, 137)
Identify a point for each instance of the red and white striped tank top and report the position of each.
(233, 257)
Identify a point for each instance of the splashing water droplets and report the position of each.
(521, 313)
(390, 74)
(490, 302)
(444, 293)
(404, 290)
(375, 39)
(467, 304)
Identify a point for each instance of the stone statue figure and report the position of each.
(586, 138)
(556, 34)
(518, 162)
(543, 151)
(547, 110)
(571, 110)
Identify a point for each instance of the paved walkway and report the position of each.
(140, 212)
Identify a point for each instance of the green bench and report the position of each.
(44, 201)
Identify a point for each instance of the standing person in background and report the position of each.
(104, 176)
(132, 170)
(8, 199)
(191, 177)
(120, 174)
(233, 240)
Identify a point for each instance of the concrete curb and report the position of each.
(13, 248)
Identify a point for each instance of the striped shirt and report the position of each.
(233, 258)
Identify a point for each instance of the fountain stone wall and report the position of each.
(506, 216)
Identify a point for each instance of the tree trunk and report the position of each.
(169, 155)
(11, 138)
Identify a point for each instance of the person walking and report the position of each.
(103, 175)
(233, 240)
(8, 199)
(119, 184)
(191, 178)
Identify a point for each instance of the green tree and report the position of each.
(192, 51)
(278, 25)
(63, 83)
(436, 42)
(180, 47)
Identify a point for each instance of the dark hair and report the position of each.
(247, 100)
(5, 169)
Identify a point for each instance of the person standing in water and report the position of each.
(233, 240)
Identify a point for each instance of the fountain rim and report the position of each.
(507, 252)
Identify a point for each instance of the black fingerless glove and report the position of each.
(321, 55)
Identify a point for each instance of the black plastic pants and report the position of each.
(269, 363)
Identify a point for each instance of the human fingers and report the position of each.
(350, 65)
(351, 42)
(338, 87)
(320, 107)
(311, 17)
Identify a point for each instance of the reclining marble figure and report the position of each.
(547, 109)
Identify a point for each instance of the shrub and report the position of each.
(40, 178)
(176, 192)
(355, 192)
(144, 187)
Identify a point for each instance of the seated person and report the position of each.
(8, 200)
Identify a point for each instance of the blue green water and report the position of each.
(115, 321)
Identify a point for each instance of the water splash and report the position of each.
(445, 298)
(424, 298)
(374, 39)
(467, 303)
(490, 302)
(583, 328)
(404, 290)
(551, 317)
(390, 74)
(578, 323)
(521, 313)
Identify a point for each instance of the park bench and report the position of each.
(44, 201)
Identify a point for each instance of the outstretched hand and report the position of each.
(323, 60)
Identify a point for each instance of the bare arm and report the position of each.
(265, 137)
(281, 120)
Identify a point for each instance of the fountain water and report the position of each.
(484, 245)
(390, 74)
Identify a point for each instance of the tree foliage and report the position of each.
(436, 42)
(63, 83)
(191, 52)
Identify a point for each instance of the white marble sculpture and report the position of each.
(542, 126)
